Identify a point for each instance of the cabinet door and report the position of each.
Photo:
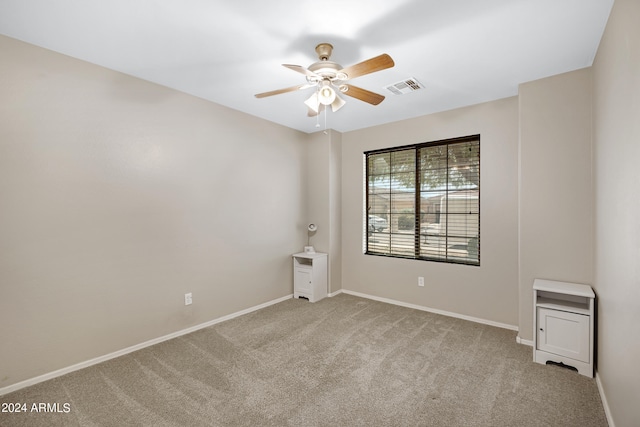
(302, 280)
(563, 333)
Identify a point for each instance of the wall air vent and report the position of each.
(405, 86)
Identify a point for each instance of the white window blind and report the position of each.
(423, 201)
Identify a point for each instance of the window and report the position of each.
(423, 201)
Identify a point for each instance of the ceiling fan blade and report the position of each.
(285, 90)
(361, 94)
(300, 69)
(381, 62)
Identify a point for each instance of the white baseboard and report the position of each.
(605, 404)
(433, 310)
(523, 341)
(100, 359)
(333, 294)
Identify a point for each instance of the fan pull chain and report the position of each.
(325, 120)
(318, 115)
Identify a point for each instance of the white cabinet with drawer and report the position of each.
(564, 324)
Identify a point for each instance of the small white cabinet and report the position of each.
(564, 324)
(310, 276)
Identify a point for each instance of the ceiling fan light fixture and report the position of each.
(337, 104)
(313, 103)
(326, 94)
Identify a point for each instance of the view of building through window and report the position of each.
(423, 201)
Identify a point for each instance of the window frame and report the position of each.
(417, 213)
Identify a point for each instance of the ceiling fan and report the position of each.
(328, 77)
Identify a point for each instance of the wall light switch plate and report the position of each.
(420, 281)
(188, 299)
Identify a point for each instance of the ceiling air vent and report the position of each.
(405, 86)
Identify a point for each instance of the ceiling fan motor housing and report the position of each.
(324, 51)
(328, 70)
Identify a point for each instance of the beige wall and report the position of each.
(335, 213)
(488, 292)
(323, 175)
(616, 116)
(117, 197)
(556, 220)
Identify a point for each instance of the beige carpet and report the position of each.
(343, 361)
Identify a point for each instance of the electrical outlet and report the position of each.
(420, 281)
(188, 299)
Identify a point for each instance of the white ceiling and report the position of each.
(463, 51)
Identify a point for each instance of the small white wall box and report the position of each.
(310, 276)
(564, 324)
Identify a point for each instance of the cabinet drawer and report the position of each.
(563, 333)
